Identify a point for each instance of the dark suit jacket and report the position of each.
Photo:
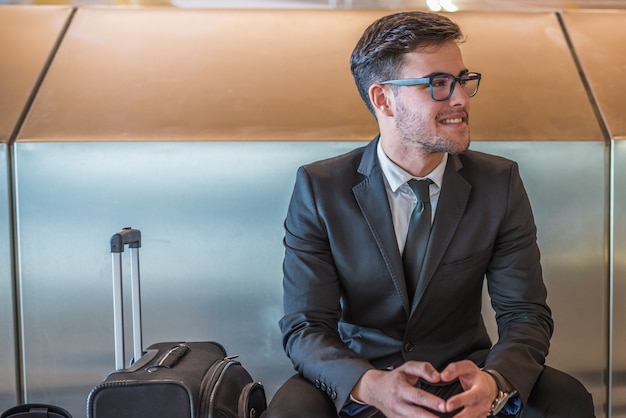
(346, 307)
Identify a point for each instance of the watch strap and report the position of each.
(505, 392)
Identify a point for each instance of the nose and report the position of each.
(459, 97)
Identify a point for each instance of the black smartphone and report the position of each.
(444, 390)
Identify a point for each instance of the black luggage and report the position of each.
(169, 379)
(35, 410)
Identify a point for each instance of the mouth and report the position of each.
(453, 119)
(450, 121)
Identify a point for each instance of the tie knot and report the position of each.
(420, 188)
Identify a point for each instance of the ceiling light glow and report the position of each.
(438, 5)
(433, 5)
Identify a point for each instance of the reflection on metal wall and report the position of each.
(8, 343)
(211, 214)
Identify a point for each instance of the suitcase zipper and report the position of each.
(211, 380)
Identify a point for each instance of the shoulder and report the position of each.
(340, 165)
(476, 163)
(484, 160)
(348, 158)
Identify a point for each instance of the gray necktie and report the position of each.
(417, 236)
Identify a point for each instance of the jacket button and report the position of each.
(317, 383)
(329, 391)
(334, 395)
(323, 387)
(408, 347)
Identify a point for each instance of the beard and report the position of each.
(416, 131)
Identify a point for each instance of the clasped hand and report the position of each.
(395, 394)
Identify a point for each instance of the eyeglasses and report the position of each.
(442, 84)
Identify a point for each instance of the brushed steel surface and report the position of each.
(164, 74)
(27, 35)
(8, 342)
(598, 38)
(566, 186)
(211, 216)
(619, 283)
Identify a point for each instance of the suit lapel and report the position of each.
(453, 199)
(372, 199)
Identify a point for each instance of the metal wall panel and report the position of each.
(529, 78)
(618, 406)
(598, 38)
(27, 35)
(572, 234)
(211, 215)
(8, 342)
(164, 74)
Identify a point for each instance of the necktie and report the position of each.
(418, 234)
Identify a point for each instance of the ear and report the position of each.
(381, 98)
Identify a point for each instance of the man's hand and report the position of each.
(479, 389)
(394, 392)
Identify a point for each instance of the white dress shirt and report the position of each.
(402, 200)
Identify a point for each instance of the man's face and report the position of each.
(434, 126)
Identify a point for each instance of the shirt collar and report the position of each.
(396, 176)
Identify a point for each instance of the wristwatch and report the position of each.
(505, 392)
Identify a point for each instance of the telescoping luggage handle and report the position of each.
(132, 238)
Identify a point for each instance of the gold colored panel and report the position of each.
(163, 74)
(531, 89)
(598, 38)
(27, 35)
(170, 74)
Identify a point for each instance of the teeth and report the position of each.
(457, 120)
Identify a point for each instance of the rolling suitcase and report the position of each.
(169, 379)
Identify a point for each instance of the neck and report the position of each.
(417, 162)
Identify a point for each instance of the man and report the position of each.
(373, 326)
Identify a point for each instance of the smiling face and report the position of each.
(421, 123)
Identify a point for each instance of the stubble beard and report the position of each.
(416, 132)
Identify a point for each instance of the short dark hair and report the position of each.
(379, 53)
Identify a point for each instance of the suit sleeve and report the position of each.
(518, 295)
(311, 300)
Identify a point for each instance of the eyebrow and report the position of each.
(464, 71)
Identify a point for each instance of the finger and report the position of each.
(422, 398)
(462, 400)
(459, 370)
(472, 404)
(423, 370)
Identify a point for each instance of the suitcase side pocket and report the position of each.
(252, 401)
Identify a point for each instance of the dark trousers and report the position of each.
(555, 395)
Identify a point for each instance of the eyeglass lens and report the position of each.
(442, 86)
